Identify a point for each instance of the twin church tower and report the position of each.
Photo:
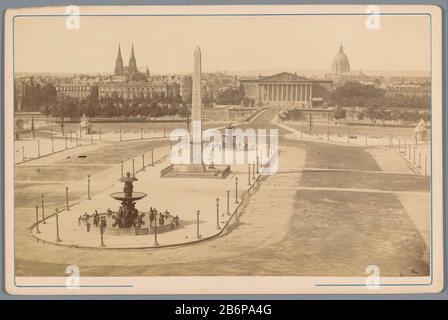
(131, 70)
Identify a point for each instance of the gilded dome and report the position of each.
(340, 62)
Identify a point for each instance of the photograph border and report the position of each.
(294, 14)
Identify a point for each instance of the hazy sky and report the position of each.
(166, 44)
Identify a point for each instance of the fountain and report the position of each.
(127, 220)
(128, 215)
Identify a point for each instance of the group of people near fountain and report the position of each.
(162, 217)
(98, 220)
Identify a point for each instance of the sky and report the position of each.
(234, 44)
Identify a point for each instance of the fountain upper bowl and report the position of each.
(121, 196)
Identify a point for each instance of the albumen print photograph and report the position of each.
(164, 143)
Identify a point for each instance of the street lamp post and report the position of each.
(66, 199)
(88, 186)
(43, 210)
(57, 227)
(37, 219)
(133, 167)
(155, 228)
(236, 190)
(419, 162)
(52, 141)
(217, 214)
(32, 128)
(152, 157)
(102, 227)
(257, 165)
(38, 148)
(143, 162)
(248, 174)
(253, 170)
(228, 202)
(122, 168)
(197, 224)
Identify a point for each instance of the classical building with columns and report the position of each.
(283, 90)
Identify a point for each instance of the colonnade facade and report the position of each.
(299, 94)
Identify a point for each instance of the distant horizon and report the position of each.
(248, 73)
(249, 45)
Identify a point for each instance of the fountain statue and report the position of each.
(128, 215)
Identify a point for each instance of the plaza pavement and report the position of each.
(283, 230)
(180, 196)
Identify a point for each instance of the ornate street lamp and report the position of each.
(217, 214)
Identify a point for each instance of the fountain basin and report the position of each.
(122, 197)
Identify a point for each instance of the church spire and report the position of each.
(132, 63)
(119, 63)
(132, 53)
(119, 51)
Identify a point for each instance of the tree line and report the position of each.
(355, 94)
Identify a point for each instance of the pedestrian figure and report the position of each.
(86, 216)
(96, 219)
(151, 217)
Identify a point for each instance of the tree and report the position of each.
(246, 102)
(339, 113)
(352, 94)
(381, 114)
(426, 116)
(372, 114)
(230, 96)
(360, 116)
(395, 115)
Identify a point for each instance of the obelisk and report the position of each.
(196, 98)
(196, 115)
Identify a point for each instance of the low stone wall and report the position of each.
(140, 231)
(127, 231)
